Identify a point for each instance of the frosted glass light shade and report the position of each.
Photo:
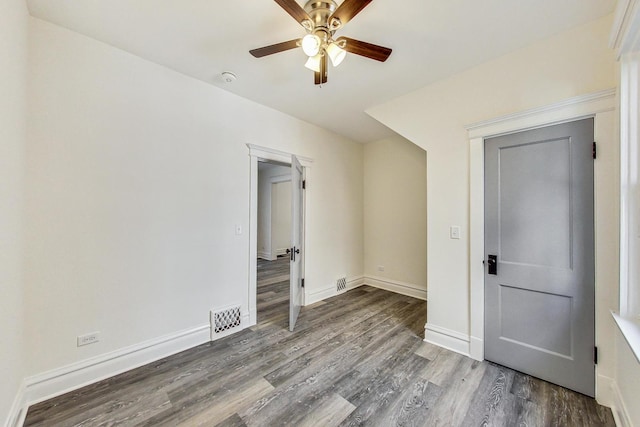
(313, 63)
(336, 53)
(311, 45)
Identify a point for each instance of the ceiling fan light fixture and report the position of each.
(313, 63)
(336, 53)
(321, 19)
(311, 45)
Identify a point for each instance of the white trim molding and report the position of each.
(74, 376)
(376, 282)
(18, 411)
(618, 408)
(265, 255)
(571, 109)
(599, 105)
(625, 32)
(447, 338)
(331, 291)
(625, 39)
(279, 252)
(315, 296)
(630, 331)
(396, 286)
(278, 156)
(355, 282)
(605, 385)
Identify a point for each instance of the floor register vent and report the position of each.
(341, 284)
(224, 320)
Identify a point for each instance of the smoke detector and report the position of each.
(228, 77)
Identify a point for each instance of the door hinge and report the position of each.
(304, 184)
(595, 355)
(595, 150)
(302, 282)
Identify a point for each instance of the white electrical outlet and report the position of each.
(381, 268)
(87, 339)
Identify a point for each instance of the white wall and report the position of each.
(267, 175)
(136, 178)
(569, 64)
(395, 214)
(280, 217)
(627, 381)
(13, 67)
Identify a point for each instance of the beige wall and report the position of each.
(395, 213)
(280, 217)
(13, 68)
(136, 179)
(265, 238)
(569, 64)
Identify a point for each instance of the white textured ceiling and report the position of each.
(431, 39)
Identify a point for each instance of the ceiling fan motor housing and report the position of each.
(320, 11)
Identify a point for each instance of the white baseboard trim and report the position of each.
(604, 390)
(252, 320)
(313, 297)
(355, 282)
(446, 338)
(618, 408)
(328, 292)
(476, 348)
(264, 255)
(408, 289)
(279, 252)
(71, 377)
(18, 411)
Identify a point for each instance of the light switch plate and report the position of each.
(454, 232)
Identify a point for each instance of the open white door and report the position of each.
(295, 253)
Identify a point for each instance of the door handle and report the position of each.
(493, 264)
(292, 253)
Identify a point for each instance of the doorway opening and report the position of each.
(299, 172)
(600, 106)
(274, 240)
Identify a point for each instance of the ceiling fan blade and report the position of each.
(348, 9)
(275, 48)
(321, 77)
(294, 9)
(368, 50)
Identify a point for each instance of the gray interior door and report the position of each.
(540, 287)
(295, 253)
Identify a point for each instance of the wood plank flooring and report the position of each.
(354, 359)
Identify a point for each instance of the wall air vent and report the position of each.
(341, 284)
(224, 320)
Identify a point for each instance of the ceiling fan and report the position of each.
(321, 19)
